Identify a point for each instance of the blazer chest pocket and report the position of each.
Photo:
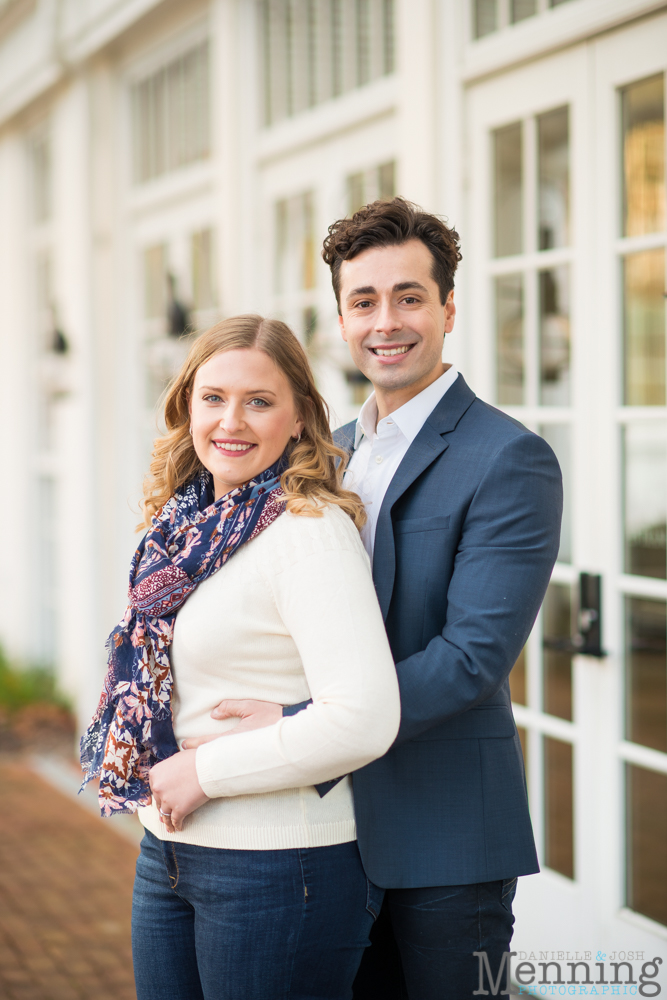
(440, 523)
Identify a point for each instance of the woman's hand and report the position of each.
(253, 715)
(176, 789)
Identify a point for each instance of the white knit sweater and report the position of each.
(293, 615)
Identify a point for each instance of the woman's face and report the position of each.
(242, 414)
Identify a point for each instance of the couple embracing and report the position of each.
(307, 699)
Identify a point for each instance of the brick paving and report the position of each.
(65, 896)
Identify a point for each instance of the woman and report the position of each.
(251, 582)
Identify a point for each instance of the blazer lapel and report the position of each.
(425, 448)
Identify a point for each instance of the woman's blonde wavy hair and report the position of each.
(314, 476)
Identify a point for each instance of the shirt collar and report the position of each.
(409, 418)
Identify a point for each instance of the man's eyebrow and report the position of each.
(363, 290)
(402, 286)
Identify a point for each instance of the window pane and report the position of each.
(155, 282)
(39, 153)
(363, 32)
(646, 672)
(554, 179)
(295, 244)
(171, 116)
(518, 679)
(521, 9)
(485, 17)
(558, 806)
(555, 337)
(508, 190)
(557, 661)
(558, 436)
(387, 181)
(644, 157)
(647, 842)
(388, 36)
(645, 475)
(202, 269)
(355, 192)
(644, 328)
(509, 339)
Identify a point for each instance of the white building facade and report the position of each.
(166, 163)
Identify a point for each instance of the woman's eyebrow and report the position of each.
(249, 392)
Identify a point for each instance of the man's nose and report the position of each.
(387, 320)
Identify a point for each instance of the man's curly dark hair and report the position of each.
(391, 223)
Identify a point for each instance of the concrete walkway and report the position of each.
(65, 893)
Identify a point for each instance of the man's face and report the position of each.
(392, 317)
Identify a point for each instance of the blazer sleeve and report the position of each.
(509, 543)
(327, 602)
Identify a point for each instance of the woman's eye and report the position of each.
(212, 399)
(258, 402)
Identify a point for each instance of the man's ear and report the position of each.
(450, 312)
(341, 326)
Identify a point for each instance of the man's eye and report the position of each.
(409, 299)
(364, 304)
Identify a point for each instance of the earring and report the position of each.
(190, 430)
(297, 439)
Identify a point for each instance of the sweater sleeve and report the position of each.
(326, 598)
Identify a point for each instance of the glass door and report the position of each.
(565, 314)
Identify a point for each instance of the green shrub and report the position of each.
(21, 687)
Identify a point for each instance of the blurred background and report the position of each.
(166, 163)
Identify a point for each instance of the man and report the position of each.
(464, 508)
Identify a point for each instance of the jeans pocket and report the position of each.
(508, 892)
(374, 897)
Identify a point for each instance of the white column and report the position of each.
(17, 405)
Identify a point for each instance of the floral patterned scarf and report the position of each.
(189, 540)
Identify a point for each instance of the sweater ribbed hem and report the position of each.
(254, 838)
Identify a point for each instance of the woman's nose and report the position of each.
(233, 417)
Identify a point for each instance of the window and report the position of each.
(155, 282)
(315, 50)
(557, 656)
(39, 162)
(370, 185)
(520, 9)
(171, 116)
(645, 496)
(646, 836)
(295, 244)
(295, 265)
(490, 15)
(203, 280)
(532, 344)
(643, 238)
(558, 805)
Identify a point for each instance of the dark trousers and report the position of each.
(215, 924)
(422, 943)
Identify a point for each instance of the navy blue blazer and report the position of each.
(466, 539)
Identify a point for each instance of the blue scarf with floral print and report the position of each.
(189, 540)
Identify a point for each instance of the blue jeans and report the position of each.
(213, 924)
(423, 942)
